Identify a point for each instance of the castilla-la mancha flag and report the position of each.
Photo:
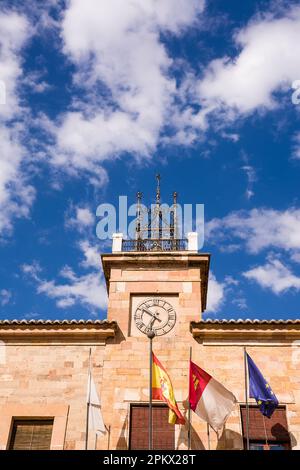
(209, 399)
(162, 390)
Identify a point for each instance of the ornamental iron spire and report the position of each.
(156, 225)
(158, 189)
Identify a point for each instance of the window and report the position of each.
(266, 433)
(163, 432)
(257, 446)
(31, 434)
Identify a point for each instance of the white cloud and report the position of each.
(87, 289)
(258, 229)
(215, 295)
(296, 257)
(251, 178)
(268, 60)
(16, 195)
(218, 292)
(91, 255)
(32, 270)
(82, 218)
(15, 31)
(35, 82)
(5, 297)
(261, 229)
(31, 316)
(230, 136)
(240, 302)
(274, 275)
(296, 146)
(117, 45)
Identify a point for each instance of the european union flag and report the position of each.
(261, 390)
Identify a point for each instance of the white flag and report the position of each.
(95, 416)
(209, 399)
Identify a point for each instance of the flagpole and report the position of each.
(150, 335)
(88, 403)
(65, 435)
(246, 397)
(266, 435)
(189, 409)
(108, 436)
(208, 436)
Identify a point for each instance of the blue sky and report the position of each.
(100, 96)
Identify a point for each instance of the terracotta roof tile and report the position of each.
(58, 322)
(248, 321)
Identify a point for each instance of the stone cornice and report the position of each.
(226, 331)
(57, 331)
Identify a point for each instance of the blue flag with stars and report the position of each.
(261, 390)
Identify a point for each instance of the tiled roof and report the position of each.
(228, 329)
(58, 322)
(248, 321)
(113, 323)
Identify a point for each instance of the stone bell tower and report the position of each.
(156, 280)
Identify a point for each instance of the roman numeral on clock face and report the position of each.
(138, 314)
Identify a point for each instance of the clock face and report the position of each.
(155, 314)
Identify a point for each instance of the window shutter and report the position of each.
(31, 434)
(163, 432)
(276, 426)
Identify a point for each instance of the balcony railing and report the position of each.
(160, 244)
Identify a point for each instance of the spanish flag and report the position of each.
(162, 390)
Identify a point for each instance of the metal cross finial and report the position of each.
(138, 214)
(173, 228)
(158, 188)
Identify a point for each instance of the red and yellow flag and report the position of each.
(162, 390)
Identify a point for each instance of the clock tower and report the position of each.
(157, 289)
(156, 281)
(157, 285)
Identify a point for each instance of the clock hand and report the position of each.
(150, 324)
(154, 315)
(148, 311)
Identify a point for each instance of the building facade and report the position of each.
(157, 283)
(44, 364)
